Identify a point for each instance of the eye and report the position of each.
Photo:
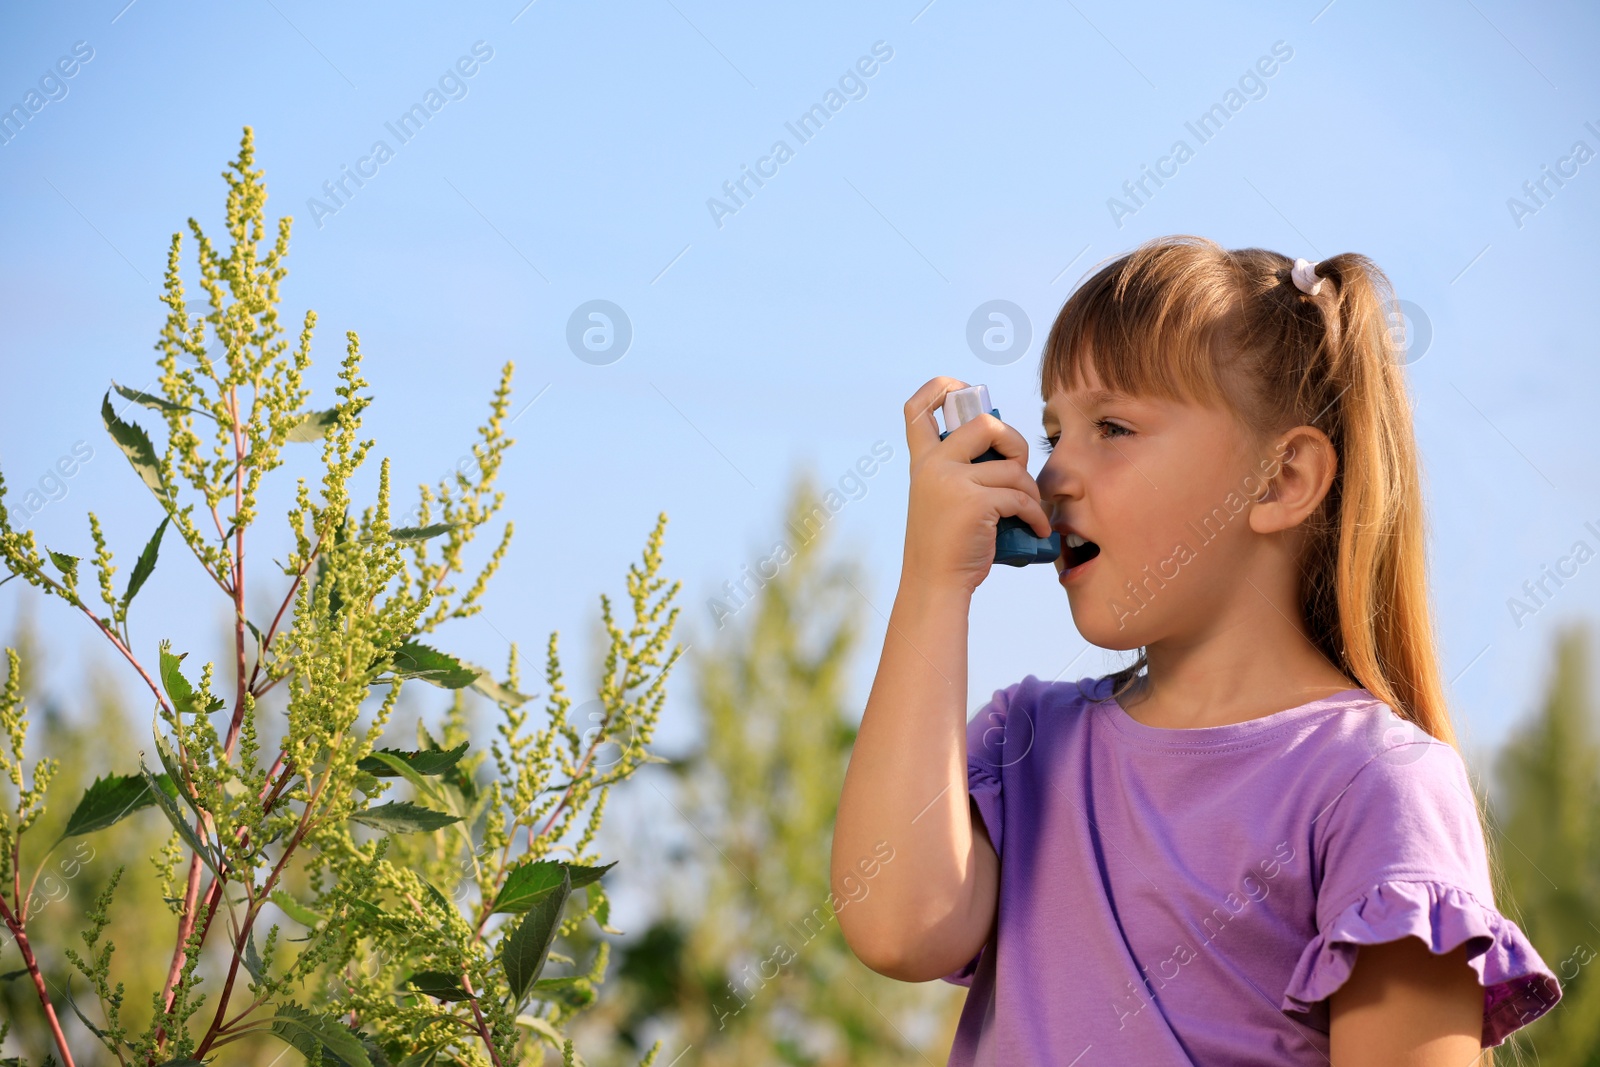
(1105, 427)
(1048, 444)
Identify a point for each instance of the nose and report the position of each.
(1058, 479)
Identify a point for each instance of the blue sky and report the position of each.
(975, 163)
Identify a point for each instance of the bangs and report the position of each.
(1151, 323)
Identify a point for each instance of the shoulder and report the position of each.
(1379, 760)
(1406, 809)
(1031, 696)
(1005, 728)
(1360, 753)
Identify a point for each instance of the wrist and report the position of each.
(921, 599)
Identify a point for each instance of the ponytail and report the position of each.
(1365, 581)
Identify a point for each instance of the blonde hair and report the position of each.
(1181, 317)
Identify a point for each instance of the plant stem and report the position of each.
(213, 893)
(191, 896)
(238, 582)
(266, 642)
(599, 739)
(270, 794)
(14, 921)
(32, 964)
(477, 1013)
(236, 589)
(227, 986)
(161, 698)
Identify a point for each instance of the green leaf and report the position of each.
(602, 908)
(295, 910)
(314, 426)
(422, 533)
(575, 991)
(425, 787)
(307, 1032)
(184, 1062)
(527, 883)
(66, 564)
(403, 817)
(174, 774)
(178, 688)
(135, 444)
(95, 1030)
(252, 958)
(335, 599)
(370, 911)
(9, 975)
(146, 564)
(500, 694)
(416, 660)
(555, 1038)
(440, 985)
(155, 403)
(112, 798)
(424, 1057)
(169, 807)
(438, 897)
(468, 786)
(430, 763)
(457, 776)
(179, 691)
(524, 952)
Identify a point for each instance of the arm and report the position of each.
(1403, 1006)
(929, 911)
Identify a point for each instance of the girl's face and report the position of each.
(1161, 492)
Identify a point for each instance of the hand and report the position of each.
(956, 504)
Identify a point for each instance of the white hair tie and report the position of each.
(1305, 277)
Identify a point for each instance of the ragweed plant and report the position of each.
(420, 926)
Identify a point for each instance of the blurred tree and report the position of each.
(758, 973)
(92, 738)
(1549, 790)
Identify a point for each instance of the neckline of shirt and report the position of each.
(1233, 733)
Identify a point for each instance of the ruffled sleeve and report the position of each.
(1517, 986)
(997, 736)
(1400, 852)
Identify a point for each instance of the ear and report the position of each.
(1297, 474)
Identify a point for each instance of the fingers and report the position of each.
(1013, 495)
(1004, 474)
(1015, 492)
(1028, 508)
(974, 438)
(922, 429)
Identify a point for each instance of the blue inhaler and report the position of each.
(1015, 543)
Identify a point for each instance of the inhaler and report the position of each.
(1015, 543)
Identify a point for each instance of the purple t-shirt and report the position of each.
(1192, 896)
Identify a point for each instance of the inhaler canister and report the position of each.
(1015, 542)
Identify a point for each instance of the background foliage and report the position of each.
(746, 963)
(1548, 837)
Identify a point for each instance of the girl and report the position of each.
(1258, 843)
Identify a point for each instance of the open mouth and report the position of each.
(1075, 551)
